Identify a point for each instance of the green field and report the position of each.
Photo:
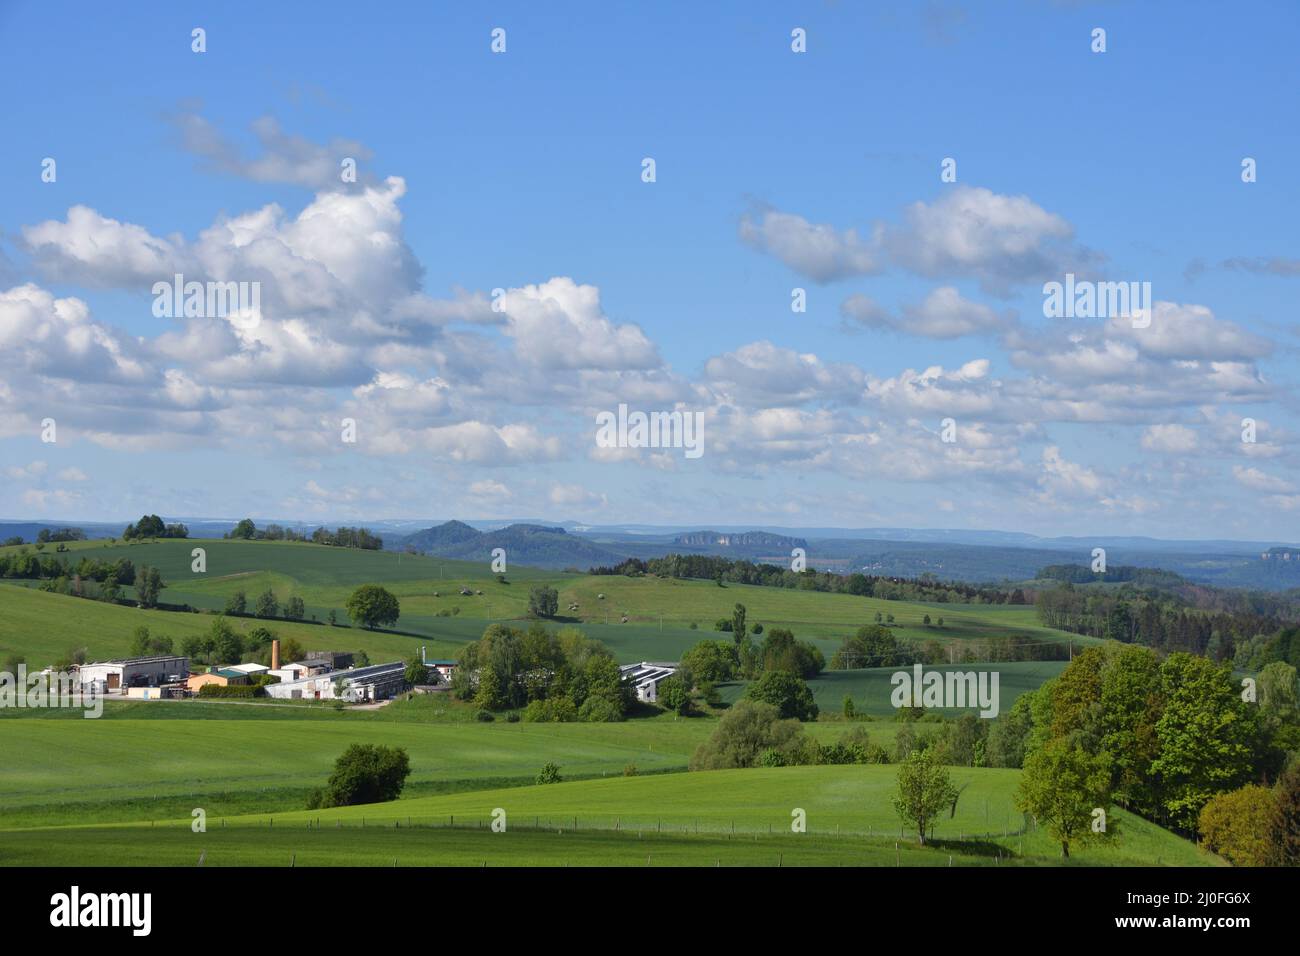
(732, 817)
(238, 758)
(660, 612)
(86, 791)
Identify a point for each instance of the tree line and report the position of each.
(713, 568)
(341, 537)
(1164, 623)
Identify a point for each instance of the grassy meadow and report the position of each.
(727, 817)
(660, 612)
(78, 791)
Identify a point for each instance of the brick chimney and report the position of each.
(275, 655)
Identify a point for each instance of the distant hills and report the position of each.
(949, 555)
(763, 541)
(529, 544)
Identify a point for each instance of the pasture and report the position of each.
(660, 612)
(729, 817)
(144, 761)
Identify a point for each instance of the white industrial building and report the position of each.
(249, 669)
(352, 685)
(117, 676)
(646, 677)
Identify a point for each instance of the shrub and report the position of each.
(746, 730)
(366, 773)
(553, 710)
(785, 691)
(484, 716)
(599, 710)
(230, 690)
(1235, 825)
(550, 774)
(629, 770)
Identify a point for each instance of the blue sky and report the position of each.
(775, 170)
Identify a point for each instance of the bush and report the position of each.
(366, 773)
(550, 774)
(786, 692)
(484, 716)
(745, 731)
(599, 710)
(230, 690)
(1235, 825)
(630, 770)
(553, 710)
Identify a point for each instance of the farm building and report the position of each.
(165, 692)
(249, 669)
(118, 675)
(442, 666)
(300, 669)
(334, 660)
(222, 678)
(355, 684)
(646, 677)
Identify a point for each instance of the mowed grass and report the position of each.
(660, 612)
(716, 818)
(147, 761)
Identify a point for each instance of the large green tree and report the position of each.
(266, 605)
(924, 791)
(371, 605)
(738, 629)
(785, 691)
(1131, 703)
(1206, 735)
(1063, 785)
(543, 601)
(712, 662)
(148, 585)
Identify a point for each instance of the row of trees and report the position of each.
(51, 535)
(266, 605)
(341, 537)
(712, 568)
(45, 566)
(369, 606)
